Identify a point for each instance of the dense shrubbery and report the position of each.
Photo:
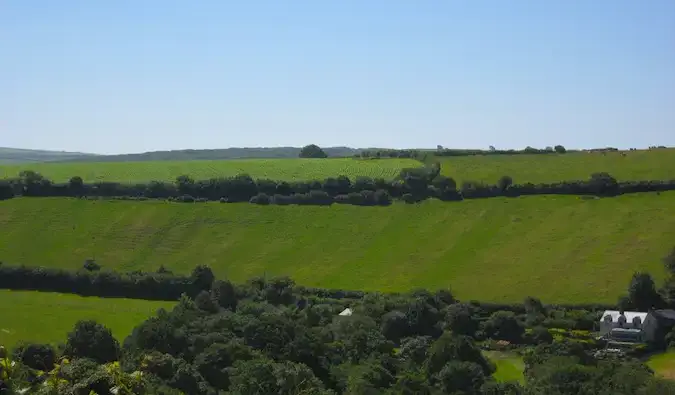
(272, 337)
(558, 149)
(411, 186)
(440, 151)
(136, 285)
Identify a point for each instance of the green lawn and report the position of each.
(276, 169)
(557, 248)
(636, 165)
(663, 364)
(510, 366)
(47, 317)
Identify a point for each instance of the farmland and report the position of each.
(636, 165)
(47, 317)
(276, 169)
(663, 364)
(510, 366)
(557, 248)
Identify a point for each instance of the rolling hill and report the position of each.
(658, 164)
(16, 155)
(217, 154)
(557, 248)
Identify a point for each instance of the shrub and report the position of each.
(92, 340)
(91, 265)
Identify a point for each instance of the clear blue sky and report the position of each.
(137, 75)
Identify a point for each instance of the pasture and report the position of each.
(510, 366)
(636, 165)
(663, 364)
(47, 317)
(275, 169)
(558, 248)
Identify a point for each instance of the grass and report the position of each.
(47, 317)
(663, 364)
(558, 248)
(636, 165)
(510, 366)
(276, 169)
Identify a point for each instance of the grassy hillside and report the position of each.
(636, 165)
(218, 154)
(16, 155)
(558, 248)
(47, 317)
(276, 169)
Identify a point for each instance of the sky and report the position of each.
(129, 76)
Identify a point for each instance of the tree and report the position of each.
(225, 294)
(504, 325)
(202, 278)
(312, 151)
(214, 361)
(669, 261)
(560, 149)
(36, 356)
(205, 302)
(91, 265)
(642, 292)
(504, 183)
(414, 349)
(263, 376)
(184, 184)
(451, 347)
(461, 377)
(92, 340)
(459, 319)
(76, 185)
(541, 335)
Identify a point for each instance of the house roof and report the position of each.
(666, 313)
(346, 312)
(628, 314)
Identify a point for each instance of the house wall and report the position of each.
(650, 327)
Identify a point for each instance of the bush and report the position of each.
(92, 340)
(91, 265)
(261, 199)
(36, 356)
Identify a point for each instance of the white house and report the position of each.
(628, 326)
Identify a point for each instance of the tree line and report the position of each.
(440, 151)
(412, 185)
(269, 336)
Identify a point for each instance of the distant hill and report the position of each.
(211, 154)
(17, 155)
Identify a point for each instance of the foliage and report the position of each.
(312, 151)
(92, 340)
(272, 336)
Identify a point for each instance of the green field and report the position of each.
(636, 165)
(275, 169)
(510, 366)
(663, 364)
(47, 317)
(557, 248)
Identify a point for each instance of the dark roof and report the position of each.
(667, 314)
